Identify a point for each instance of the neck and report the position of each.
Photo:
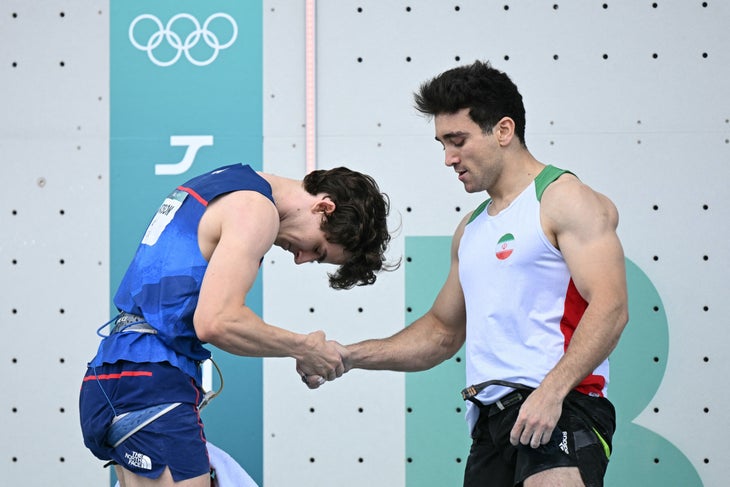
(290, 197)
(517, 174)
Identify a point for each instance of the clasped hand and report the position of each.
(323, 360)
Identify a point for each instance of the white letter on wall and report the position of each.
(194, 143)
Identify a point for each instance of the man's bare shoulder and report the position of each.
(240, 216)
(569, 202)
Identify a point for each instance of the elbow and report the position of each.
(622, 315)
(448, 346)
(208, 328)
(454, 346)
(621, 320)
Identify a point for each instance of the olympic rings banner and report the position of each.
(187, 39)
(186, 97)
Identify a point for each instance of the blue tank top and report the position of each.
(163, 281)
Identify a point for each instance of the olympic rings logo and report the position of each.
(166, 33)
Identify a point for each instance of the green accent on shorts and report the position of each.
(606, 448)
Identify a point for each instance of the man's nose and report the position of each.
(303, 257)
(452, 157)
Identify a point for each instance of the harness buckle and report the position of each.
(508, 400)
(128, 322)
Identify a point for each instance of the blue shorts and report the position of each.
(175, 440)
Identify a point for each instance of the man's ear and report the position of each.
(325, 205)
(505, 130)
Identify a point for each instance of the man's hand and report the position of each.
(537, 419)
(313, 381)
(316, 356)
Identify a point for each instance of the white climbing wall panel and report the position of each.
(54, 244)
(631, 95)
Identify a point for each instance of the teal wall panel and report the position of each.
(437, 440)
(637, 369)
(151, 103)
(187, 70)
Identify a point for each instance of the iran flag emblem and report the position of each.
(505, 246)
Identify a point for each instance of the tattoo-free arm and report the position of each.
(584, 224)
(235, 232)
(429, 340)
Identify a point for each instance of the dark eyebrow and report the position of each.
(452, 135)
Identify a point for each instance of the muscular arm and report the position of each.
(430, 339)
(235, 232)
(583, 225)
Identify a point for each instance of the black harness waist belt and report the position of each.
(518, 395)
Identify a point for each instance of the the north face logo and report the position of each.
(138, 460)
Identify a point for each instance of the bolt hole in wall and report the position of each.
(47, 88)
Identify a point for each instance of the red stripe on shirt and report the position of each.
(195, 195)
(126, 373)
(575, 306)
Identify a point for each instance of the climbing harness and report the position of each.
(127, 424)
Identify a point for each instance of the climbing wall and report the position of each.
(629, 95)
(54, 243)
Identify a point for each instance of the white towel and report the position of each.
(228, 472)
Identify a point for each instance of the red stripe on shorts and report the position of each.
(126, 373)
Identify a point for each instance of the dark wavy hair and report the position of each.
(488, 93)
(358, 223)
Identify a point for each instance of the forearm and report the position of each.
(420, 346)
(382, 354)
(244, 333)
(594, 339)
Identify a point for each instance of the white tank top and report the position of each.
(521, 304)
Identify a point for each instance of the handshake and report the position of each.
(320, 360)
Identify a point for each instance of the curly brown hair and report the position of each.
(358, 223)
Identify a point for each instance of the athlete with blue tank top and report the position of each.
(186, 286)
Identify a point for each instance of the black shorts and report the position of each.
(581, 439)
